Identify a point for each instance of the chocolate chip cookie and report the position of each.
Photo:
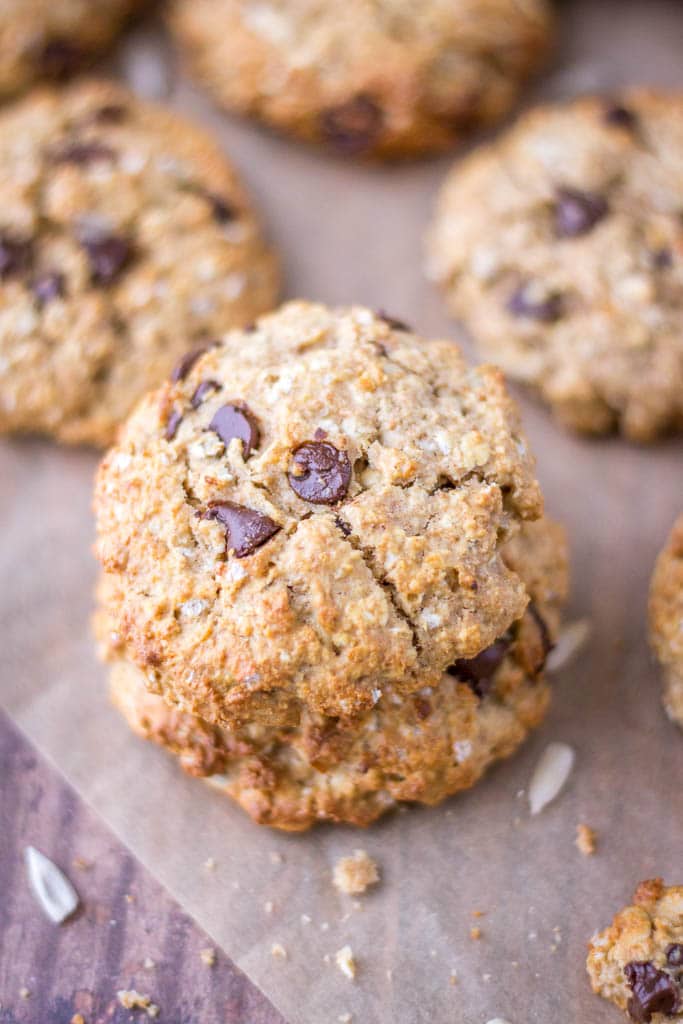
(637, 963)
(125, 240)
(666, 619)
(48, 39)
(311, 511)
(421, 747)
(560, 246)
(389, 78)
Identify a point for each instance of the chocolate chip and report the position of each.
(620, 116)
(111, 113)
(186, 362)
(662, 259)
(674, 954)
(654, 991)
(236, 421)
(245, 529)
(320, 434)
(546, 642)
(391, 321)
(478, 672)
(341, 525)
(546, 310)
(48, 287)
(423, 708)
(82, 153)
(223, 211)
(58, 58)
(108, 255)
(321, 473)
(172, 424)
(353, 126)
(16, 255)
(577, 213)
(204, 388)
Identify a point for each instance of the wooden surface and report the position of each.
(125, 917)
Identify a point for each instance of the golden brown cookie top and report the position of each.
(313, 509)
(125, 236)
(363, 77)
(666, 619)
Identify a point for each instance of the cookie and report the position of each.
(637, 963)
(125, 240)
(385, 79)
(666, 619)
(419, 747)
(560, 247)
(44, 39)
(311, 512)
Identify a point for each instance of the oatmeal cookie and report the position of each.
(310, 512)
(125, 239)
(560, 246)
(421, 747)
(637, 963)
(666, 619)
(48, 39)
(388, 78)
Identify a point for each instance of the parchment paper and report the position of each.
(349, 233)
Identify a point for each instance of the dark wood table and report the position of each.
(126, 919)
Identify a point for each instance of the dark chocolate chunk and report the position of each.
(478, 672)
(674, 954)
(321, 473)
(236, 420)
(341, 525)
(353, 126)
(82, 153)
(654, 991)
(58, 58)
(245, 529)
(203, 389)
(172, 424)
(546, 310)
(186, 362)
(48, 287)
(16, 255)
(577, 213)
(108, 255)
(620, 116)
(223, 211)
(662, 259)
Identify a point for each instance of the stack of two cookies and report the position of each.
(328, 585)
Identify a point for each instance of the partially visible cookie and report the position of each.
(125, 240)
(388, 78)
(560, 246)
(55, 38)
(311, 512)
(637, 963)
(666, 619)
(420, 747)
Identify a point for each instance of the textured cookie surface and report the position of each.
(384, 78)
(418, 747)
(312, 511)
(561, 247)
(637, 962)
(666, 619)
(54, 38)
(124, 239)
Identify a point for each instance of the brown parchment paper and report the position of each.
(353, 234)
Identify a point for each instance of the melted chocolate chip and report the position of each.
(245, 529)
(82, 153)
(354, 126)
(16, 255)
(108, 256)
(203, 389)
(172, 424)
(546, 642)
(674, 954)
(478, 672)
(547, 310)
(58, 58)
(321, 473)
(654, 991)
(391, 321)
(48, 287)
(236, 421)
(577, 213)
(620, 116)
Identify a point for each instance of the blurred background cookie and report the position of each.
(560, 246)
(666, 619)
(388, 79)
(125, 239)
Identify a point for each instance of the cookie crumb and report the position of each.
(345, 1018)
(132, 1000)
(208, 956)
(475, 933)
(275, 857)
(148, 963)
(210, 864)
(278, 951)
(585, 839)
(77, 1018)
(355, 873)
(25, 993)
(81, 864)
(268, 906)
(345, 961)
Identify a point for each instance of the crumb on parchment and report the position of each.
(355, 873)
(585, 839)
(345, 961)
(208, 956)
(475, 933)
(132, 1000)
(278, 951)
